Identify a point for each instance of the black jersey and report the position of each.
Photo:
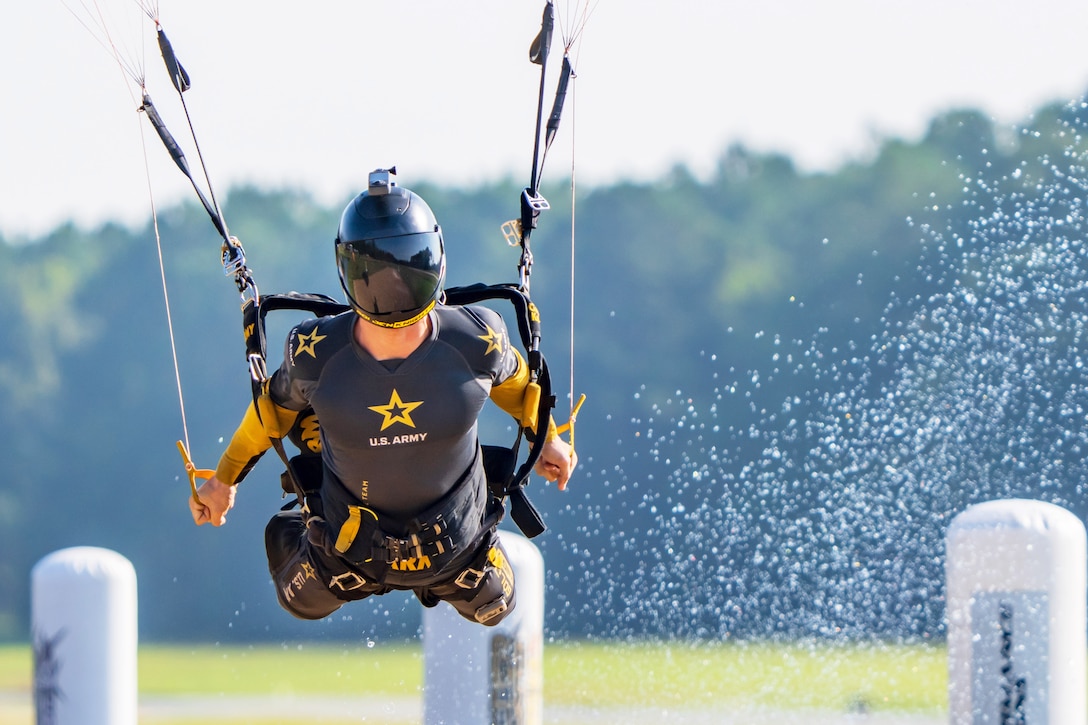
(397, 435)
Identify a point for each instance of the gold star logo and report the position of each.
(308, 571)
(306, 343)
(493, 340)
(396, 411)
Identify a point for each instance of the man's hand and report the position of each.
(215, 500)
(557, 461)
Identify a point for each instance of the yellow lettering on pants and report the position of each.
(506, 573)
(412, 564)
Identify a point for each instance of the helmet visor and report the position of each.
(394, 279)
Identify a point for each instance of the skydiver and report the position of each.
(393, 475)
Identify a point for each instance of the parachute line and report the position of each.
(571, 30)
(571, 20)
(104, 25)
(98, 22)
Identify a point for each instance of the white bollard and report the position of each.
(1017, 575)
(83, 622)
(475, 674)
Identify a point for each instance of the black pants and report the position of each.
(311, 584)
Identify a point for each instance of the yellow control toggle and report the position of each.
(569, 425)
(192, 471)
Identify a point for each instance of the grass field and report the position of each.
(871, 678)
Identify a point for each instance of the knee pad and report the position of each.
(489, 588)
(301, 577)
(282, 537)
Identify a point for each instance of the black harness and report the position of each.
(506, 479)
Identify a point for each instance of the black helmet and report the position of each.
(390, 255)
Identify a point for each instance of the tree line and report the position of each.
(717, 324)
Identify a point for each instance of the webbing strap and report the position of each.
(253, 326)
(522, 511)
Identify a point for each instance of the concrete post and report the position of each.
(1016, 608)
(83, 620)
(475, 674)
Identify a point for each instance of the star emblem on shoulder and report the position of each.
(306, 343)
(494, 340)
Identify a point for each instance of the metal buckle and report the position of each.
(338, 581)
(397, 549)
(489, 611)
(475, 575)
(258, 368)
(234, 257)
(535, 202)
(511, 232)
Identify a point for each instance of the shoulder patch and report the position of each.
(305, 343)
(496, 341)
(314, 340)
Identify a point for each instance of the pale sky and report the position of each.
(314, 95)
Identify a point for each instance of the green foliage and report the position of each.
(41, 284)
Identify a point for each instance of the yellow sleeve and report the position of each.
(252, 438)
(511, 394)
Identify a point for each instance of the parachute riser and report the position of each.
(518, 232)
